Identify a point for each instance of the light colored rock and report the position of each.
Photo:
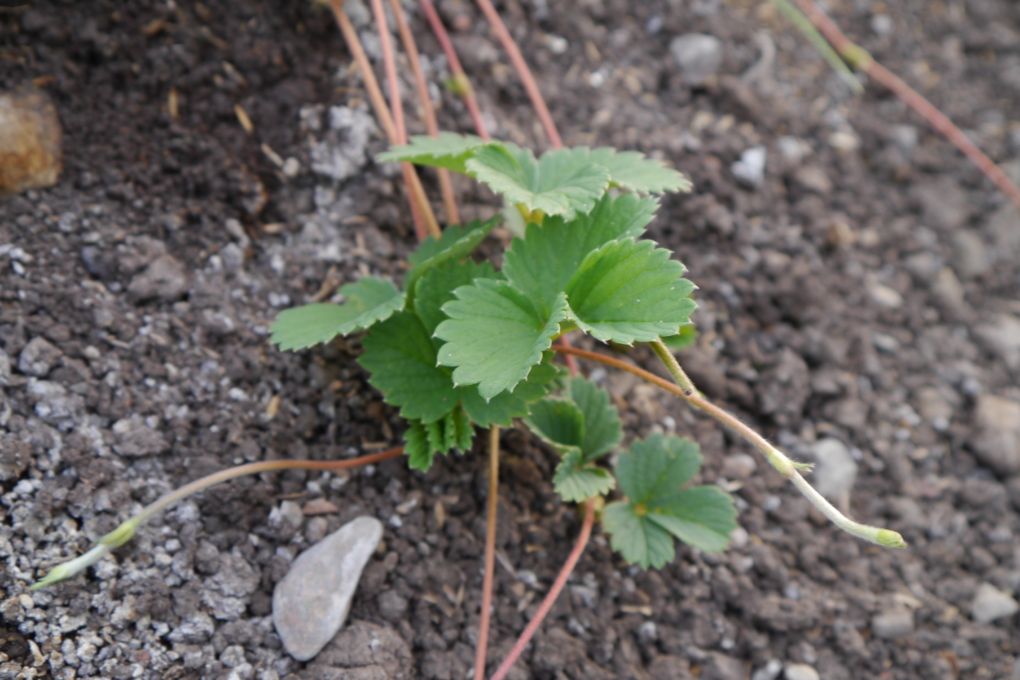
(311, 603)
(813, 178)
(5, 368)
(943, 204)
(38, 358)
(739, 466)
(884, 296)
(750, 169)
(29, 142)
(969, 256)
(997, 433)
(991, 604)
(1002, 336)
(698, 56)
(165, 278)
(835, 470)
(948, 291)
(933, 407)
(770, 671)
(343, 151)
(799, 671)
(135, 438)
(1004, 229)
(894, 623)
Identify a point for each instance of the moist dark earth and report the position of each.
(863, 294)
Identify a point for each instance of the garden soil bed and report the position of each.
(865, 291)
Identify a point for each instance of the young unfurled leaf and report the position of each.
(562, 182)
(650, 475)
(582, 426)
(631, 170)
(629, 291)
(542, 264)
(455, 243)
(576, 481)
(449, 150)
(368, 301)
(435, 288)
(495, 335)
(422, 441)
(602, 427)
(401, 358)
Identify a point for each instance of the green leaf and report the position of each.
(435, 288)
(495, 335)
(401, 358)
(449, 150)
(505, 406)
(638, 540)
(602, 427)
(629, 291)
(423, 441)
(631, 170)
(576, 481)
(560, 423)
(368, 301)
(455, 243)
(702, 516)
(562, 182)
(650, 475)
(542, 264)
(653, 469)
(685, 338)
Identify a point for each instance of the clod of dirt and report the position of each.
(997, 442)
(165, 279)
(29, 142)
(365, 651)
(311, 602)
(38, 358)
(135, 438)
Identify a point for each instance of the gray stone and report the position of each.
(698, 56)
(165, 278)
(770, 671)
(991, 604)
(54, 404)
(997, 433)
(813, 178)
(392, 606)
(884, 296)
(933, 407)
(969, 256)
(135, 438)
(194, 629)
(5, 368)
(1004, 229)
(750, 169)
(311, 603)
(1001, 336)
(943, 204)
(739, 466)
(948, 291)
(894, 623)
(799, 671)
(835, 470)
(342, 152)
(38, 358)
(722, 667)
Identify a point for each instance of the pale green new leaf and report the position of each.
(542, 264)
(401, 358)
(638, 540)
(455, 243)
(562, 182)
(631, 170)
(576, 481)
(495, 335)
(629, 291)
(449, 150)
(368, 301)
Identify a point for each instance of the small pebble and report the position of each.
(698, 56)
(892, 624)
(750, 169)
(991, 604)
(799, 671)
(836, 470)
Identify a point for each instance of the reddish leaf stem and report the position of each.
(428, 112)
(550, 598)
(523, 72)
(490, 554)
(858, 57)
(460, 79)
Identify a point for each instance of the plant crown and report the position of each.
(463, 344)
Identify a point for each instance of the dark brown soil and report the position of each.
(865, 292)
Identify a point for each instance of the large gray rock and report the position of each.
(698, 55)
(311, 603)
(835, 470)
(991, 604)
(997, 433)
